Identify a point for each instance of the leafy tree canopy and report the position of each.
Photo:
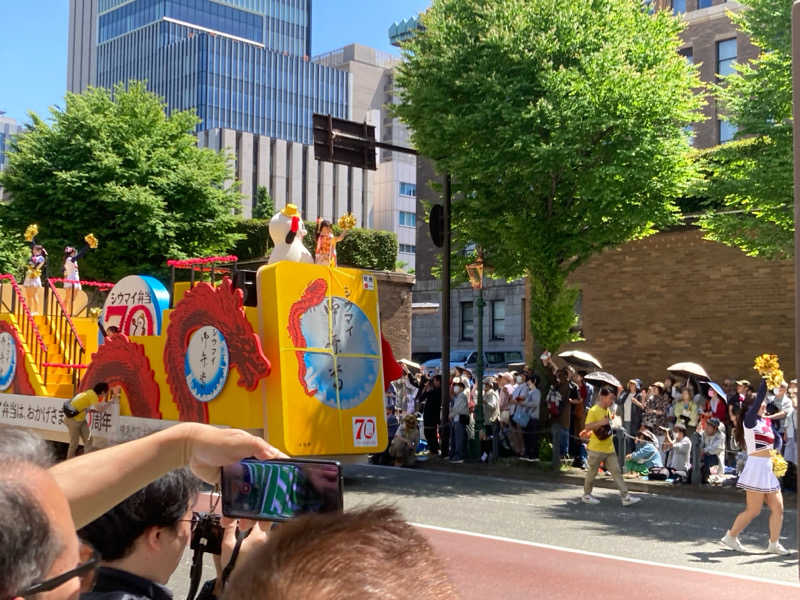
(748, 184)
(562, 124)
(115, 165)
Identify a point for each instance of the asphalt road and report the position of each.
(660, 529)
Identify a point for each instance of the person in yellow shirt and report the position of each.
(75, 417)
(601, 449)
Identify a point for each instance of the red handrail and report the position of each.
(21, 300)
(98, 284)
(65, 313)
(190, 262)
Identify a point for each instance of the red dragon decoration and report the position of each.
(314, 294)
(122, 362)
(22, 383)
(219, 307)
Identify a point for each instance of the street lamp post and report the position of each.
(475, 272)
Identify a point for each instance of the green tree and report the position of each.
(561, 123)
(13, 252)
(264, 207)
(115, 165)
(748, 183)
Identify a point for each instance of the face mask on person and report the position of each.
(519, 379)
(457, 389)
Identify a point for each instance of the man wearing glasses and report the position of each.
(40, 507)
(141, 540)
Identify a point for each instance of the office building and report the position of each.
(245, 67)
(8, 128)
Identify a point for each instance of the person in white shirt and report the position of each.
(790, 425)
(491, 414)
(680, 447)
(459, 413)
(713, 455)
(518, 396)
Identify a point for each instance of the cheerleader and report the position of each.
(33, 270)
(72, 278)
(754, 432)
(325, 253)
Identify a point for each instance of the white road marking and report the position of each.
(607, 556)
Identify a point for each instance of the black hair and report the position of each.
(536, 379)
(437, 377)
(161, 504)
(100, 388)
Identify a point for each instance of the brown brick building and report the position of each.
(712, 42)
(677, 297)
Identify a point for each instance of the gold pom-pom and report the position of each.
(91, 240)
(347, 221)
(31, 232)
(95, 312)
(779, 465)
(768, 367)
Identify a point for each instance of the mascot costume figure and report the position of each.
(287, 230)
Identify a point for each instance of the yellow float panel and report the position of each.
(320, 329)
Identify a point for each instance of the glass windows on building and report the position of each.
(727, 131)
(232, 84)
(407, 248)
(467, 321)
(726, 56)
(498, 319)
(408, 219)
(408, 189)
(286, 23)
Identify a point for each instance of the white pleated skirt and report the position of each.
(757, 475)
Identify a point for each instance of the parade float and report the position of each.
(292, 351)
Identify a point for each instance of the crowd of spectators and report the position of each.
(678, 429)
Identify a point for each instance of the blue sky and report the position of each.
(33, 43)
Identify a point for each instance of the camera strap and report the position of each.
(240, 537)
(196, 573)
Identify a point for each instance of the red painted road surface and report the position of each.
(485, 568)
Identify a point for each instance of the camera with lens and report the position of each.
(207, 534)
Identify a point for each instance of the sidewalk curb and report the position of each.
(523, 471)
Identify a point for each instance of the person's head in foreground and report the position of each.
(364, 553)
(147, 533)
(37, 536)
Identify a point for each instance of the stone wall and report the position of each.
(676, 297)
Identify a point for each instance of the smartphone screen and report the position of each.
(277, 490)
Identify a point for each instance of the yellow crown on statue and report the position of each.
(290, 210)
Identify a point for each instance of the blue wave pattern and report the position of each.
(351, 333)
(207, 377)
(8, 356)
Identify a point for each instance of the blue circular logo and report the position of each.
(206, 363)
(8, 360)
(344, 372)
